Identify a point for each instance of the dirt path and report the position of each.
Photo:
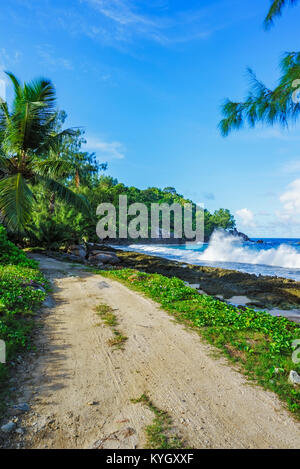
(212, 406)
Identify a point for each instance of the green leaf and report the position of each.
(16, 200)
(276, 10)
(78, 201)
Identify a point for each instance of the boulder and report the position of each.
(8, 428)
(100, 247)
(239, 234)
(78, 251)
(103, 258)
(294, 378)
(24, 407)
(48, 303)
(95, 252)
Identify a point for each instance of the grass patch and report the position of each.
(106, 313)
(23, 288)
(159, 433)
(260, 343)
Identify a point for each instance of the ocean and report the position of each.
(275, 256)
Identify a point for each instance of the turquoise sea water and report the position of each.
(275, 256)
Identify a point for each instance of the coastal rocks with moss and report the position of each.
(262, 291)
(93, 254)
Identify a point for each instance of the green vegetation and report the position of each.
(276, 10)
(30, 145)
(66, 226)
(159, 433)
(107, 315)
(11, 255)
(261, 343)
(49, 187)
(22, 290)
(264, 104)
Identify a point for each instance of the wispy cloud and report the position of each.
(292, 167)
(7, 62)
(276, 133)
(8, 59)
(107, 150)
(290, 200)
(50, 58)
(120, 21)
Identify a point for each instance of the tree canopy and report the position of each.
(276, 10)
(279, 105)
(29, 152)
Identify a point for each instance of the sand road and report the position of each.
(211, 404)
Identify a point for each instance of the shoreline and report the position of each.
(246, 259)
(263, 292)
(278, 296)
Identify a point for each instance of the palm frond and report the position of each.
(65, 194)
(53, 167)
(263, 104)
(276, 10)
(53, 141)
(16, 84)
(41, 91)
(6, 165)
(32, 118)
(16, 201)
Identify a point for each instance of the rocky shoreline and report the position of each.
(263, 292)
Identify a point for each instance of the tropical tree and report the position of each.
(276, 10)
(28, 152)
(278, 105)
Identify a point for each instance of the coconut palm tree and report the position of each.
(28, 138)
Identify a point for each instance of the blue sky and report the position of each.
(146, 80)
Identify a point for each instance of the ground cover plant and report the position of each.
(106, 313)
(23, 288)
(262, 344)
(160, 434)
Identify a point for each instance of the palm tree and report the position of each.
(27, 141)
(263, 104)
(276, 10)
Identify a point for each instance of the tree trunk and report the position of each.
(52, 204)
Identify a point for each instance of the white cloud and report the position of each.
(246, 217)
(120, 12)
(291, 203)
(50, 58)
(108, 150)
(276, 133)
(292, 167)
(122, 20)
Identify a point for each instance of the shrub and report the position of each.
(11, 254)
(22, 290)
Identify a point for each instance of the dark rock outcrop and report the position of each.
(239, 234)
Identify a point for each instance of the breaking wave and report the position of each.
(226, 248)
(275, 258)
